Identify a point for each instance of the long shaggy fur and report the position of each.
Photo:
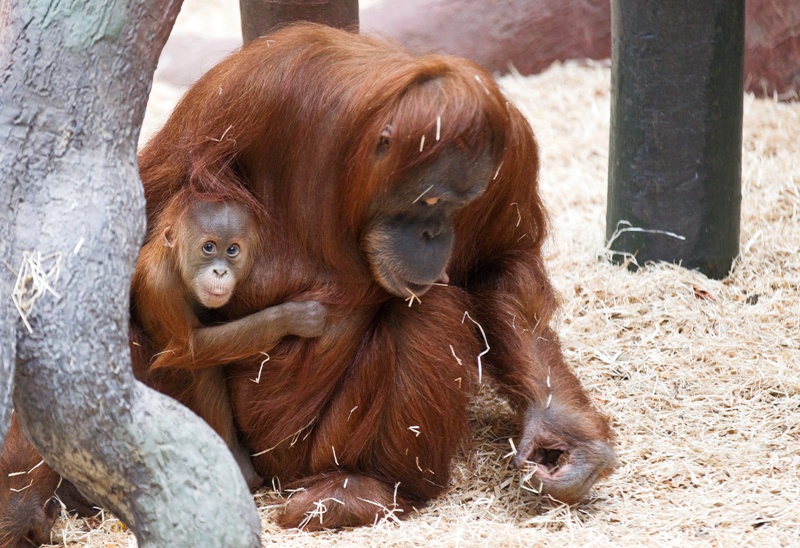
(296, 118)
(27, 488)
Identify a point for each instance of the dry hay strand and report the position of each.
(100, 531)
(699, 377)
(36, 276)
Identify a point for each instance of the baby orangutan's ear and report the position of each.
(168, 237)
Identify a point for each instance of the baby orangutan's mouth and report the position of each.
(214, 295)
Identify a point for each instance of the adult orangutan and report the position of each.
(383, 173)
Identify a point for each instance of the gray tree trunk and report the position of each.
(8, 317)
(74, 83)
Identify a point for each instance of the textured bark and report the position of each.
(7, 311)
(75, 79)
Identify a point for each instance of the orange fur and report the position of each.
(297, 119)
(27, 490)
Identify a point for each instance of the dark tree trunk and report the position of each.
(261, 16)
(75, 79)
(674, 184)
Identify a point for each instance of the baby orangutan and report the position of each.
(199, 251)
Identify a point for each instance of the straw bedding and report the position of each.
(701, 378)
